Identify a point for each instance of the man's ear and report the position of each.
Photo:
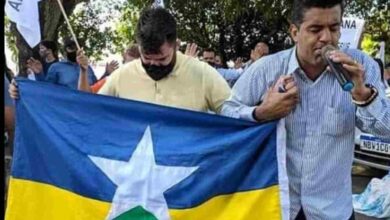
(294, 31)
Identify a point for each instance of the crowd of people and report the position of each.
(320, 117)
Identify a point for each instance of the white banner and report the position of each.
(25, 13)
(158, 3)
(351, 30)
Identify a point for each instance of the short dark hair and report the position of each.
(155, 27)
(50, 45)
(301, 6)
(209, 49)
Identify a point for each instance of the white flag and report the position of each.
(25, 13)
(351, 31)
(158, 3)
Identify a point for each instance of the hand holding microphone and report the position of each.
(347, 71)
(337, 69)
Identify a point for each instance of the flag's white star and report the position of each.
(140, 181)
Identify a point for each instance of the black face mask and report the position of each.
(388, 82)
(159, 72)
(71, 56)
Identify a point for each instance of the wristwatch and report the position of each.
(374, 94)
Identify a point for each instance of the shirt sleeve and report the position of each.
(110, 86)
(216, 89)
(374, 118)
(246, 93)
(40, 76)
(52, 75)
(230, 75)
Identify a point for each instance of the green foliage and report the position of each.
(88, 25)
(104, 26)
(11, 39)
(377, 28)
(369, 45)
(124, 33)
(231, 27)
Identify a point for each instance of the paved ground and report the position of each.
(361, 176)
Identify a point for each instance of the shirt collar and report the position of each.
(293, 64)
(294, 67)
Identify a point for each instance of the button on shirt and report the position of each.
(66, 73)
(320, 130)
(192, 84)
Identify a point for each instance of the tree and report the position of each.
(230, 27)
(377, 28)
(50, 21)
(124, 32)
(91, 23)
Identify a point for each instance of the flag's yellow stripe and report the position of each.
(37, 201)
(32, 200)
(251, 205)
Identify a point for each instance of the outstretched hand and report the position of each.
(238, 63)
(111, 66)
(192, 50)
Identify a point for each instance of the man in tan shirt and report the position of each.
(164, 76)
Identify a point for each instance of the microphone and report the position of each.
(337, 69)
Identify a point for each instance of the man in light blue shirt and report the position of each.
(230, 75)
(319, 116)
(66, 72)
